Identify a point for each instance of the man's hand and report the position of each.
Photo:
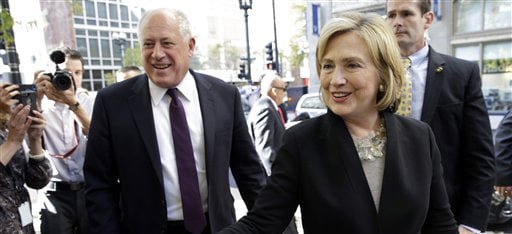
(45, 86)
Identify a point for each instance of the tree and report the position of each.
(223, 52)
(298, 42)
(132, 56)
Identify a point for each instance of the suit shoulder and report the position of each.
(306, 128)
(457, 61)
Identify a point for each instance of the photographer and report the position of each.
(20, 164)
(68, 111)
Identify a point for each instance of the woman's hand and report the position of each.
(7, 92)
(18, 124)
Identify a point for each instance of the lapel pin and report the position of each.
(439, 69)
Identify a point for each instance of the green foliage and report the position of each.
(298, 41)
(109, 78)
(6, 23)
(231, 56)
(132, 56)
(76, 5)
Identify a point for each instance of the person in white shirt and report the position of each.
(68, 114)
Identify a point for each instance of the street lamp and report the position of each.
(246, 5)
(120, 39)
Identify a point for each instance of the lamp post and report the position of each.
(10, 47)
(246, 5)
(275, 38)
(120, 39)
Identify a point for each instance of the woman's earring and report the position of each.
(381, 88)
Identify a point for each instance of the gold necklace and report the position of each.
(371, 147)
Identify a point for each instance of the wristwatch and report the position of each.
(74, 106)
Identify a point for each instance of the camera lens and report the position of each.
(61, 80)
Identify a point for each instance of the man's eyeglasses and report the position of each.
(281, 88)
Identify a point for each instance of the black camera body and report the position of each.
(61, 80)
(27, 96)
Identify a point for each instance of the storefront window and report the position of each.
(468, 16)
(498, 14)
(497, 57)
(496, 62)
(468, 52)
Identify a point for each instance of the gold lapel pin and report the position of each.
(439, 69)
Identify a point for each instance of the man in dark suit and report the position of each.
(266, 124)
(446, 93)
(133, 168)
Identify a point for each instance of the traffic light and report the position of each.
(270, 52)
(242, 74)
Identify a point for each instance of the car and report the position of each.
(311, 104)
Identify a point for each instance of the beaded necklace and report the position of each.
(371, 147)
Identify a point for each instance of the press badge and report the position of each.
(25, 214)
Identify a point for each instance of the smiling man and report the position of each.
(161, 144)
(446, 93)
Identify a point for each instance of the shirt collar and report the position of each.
(186, 88)
(419, 56)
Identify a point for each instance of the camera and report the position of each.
(27, 96)
(61, 80)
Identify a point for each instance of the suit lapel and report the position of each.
(342, 153)
(435, 78)
(141, 108)
(390, 193)
(208, 112)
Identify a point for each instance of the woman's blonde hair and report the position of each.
(382, 47)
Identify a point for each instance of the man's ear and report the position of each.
(429, 19)
(191, 46)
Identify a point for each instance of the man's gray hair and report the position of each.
(183, 22)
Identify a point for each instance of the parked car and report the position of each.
(312, 104)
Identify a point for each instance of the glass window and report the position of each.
(91, 22)
(86, 75)
(468, 16)
(81, 44)
(116, 48)
(124, 12)
(134, 17)
(95, 62)
(98, 85)
(102, 10)
(80, 32)
(498, 14)
(89, 9)
(107, 62)
(104, 33)
(96, 74)
(468, 52)
(92, 32)
(94, 49)
(114, 24)
(125, 25)
(497, 57)
(86, 84)
(78, 21)
(112, 9)
(103, 23)
(105, 48)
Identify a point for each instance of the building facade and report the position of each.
(101, 30)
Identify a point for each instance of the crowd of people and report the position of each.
(403, 148)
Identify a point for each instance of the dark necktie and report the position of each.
(193, 215)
